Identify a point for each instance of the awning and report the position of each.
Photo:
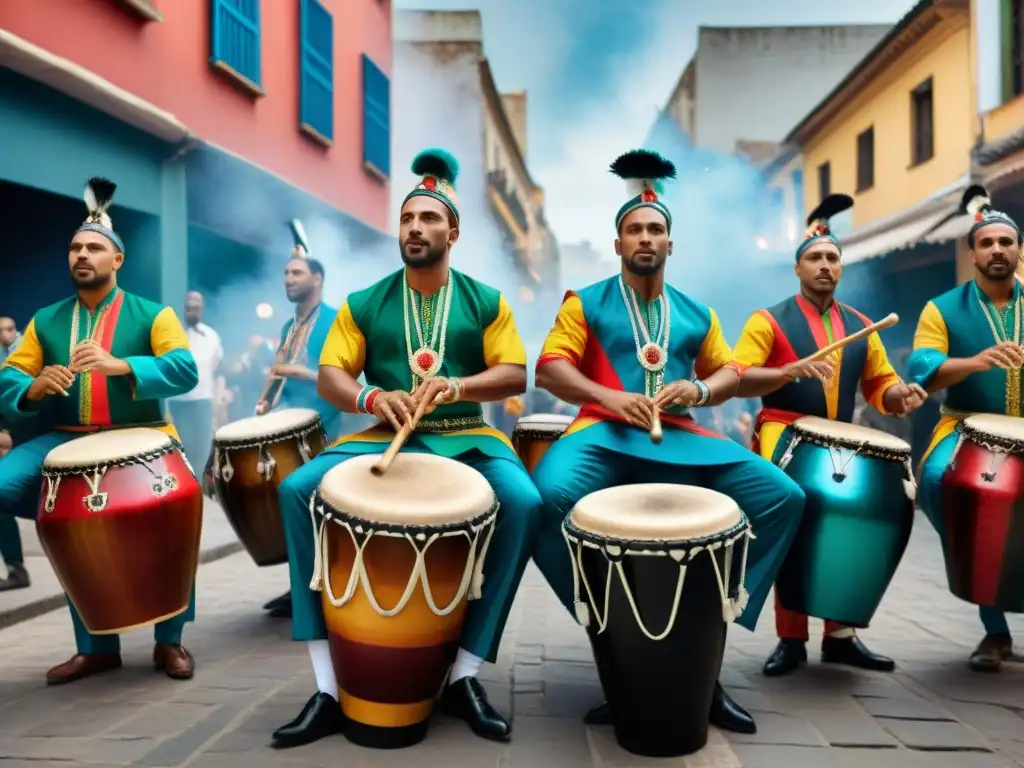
(953, 229)
(898, 238)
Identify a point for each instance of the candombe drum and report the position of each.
(658, 575)
(857, 520)
(399, 556)
(251, 457)
(120, 517)
(535, 433)
(983, 503)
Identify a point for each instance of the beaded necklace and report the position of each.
(1005, 325)
(426, 360)
(652, 353)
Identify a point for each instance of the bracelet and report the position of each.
(455, 390)
(365, 398)
(705, 392)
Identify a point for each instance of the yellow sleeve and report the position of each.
(931, 330)
(502, 343)
(715, 352)
(166, 333)
(567, 339)
(756, 342)
(28, 355)
(345, 346)
(878, 374)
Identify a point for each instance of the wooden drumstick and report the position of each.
(881, 325)
(656, 433)
(398, 441)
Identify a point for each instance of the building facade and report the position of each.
(220, 120)
(754, 83)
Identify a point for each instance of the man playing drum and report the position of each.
(775, 343)
(630, 350)
(103, 359)
(968, 341)
(425, 333)
(293, 375)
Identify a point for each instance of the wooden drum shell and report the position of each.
(134, 563)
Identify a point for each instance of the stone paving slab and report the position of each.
(932, 713)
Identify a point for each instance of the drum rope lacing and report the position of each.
(96, 501)
(472, 575)
(732, 608)
(998, 447)
(840, 466)
(266, 464)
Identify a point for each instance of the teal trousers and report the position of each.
(21, 480)
(10, 541)
(509, 551)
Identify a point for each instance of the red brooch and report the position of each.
(430, 183)
(649, 196)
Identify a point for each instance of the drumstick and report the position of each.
(656, 433)
(881, 325)
(398, 441)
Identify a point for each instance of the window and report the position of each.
(235, 40)
(866, 160)
(824, 181)
(376, 119)
(921, 115)
(1013, 48)
(316, 71)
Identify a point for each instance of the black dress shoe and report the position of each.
(787, 657)
(598, 715)
(728, 715)
(282, 601)
(851, 651)
(467, 700)
(991, 652)
(320, 717)
(17, 578)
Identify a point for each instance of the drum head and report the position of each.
(849, 434)
(544, 422)
(269, 425)
(418, 490)
(107, 448)
(1009, 428)
(656, 512)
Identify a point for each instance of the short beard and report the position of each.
(88, 284)
(432, 257)
(1000, 279)
(643, 270)
(301, 297)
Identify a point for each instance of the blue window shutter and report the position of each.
(235, 36)
(376, 118)
(316, 68)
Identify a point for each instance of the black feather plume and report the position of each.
(102, 193)
(643, 164)
(829, 207)
(970, 195)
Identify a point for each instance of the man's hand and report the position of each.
(901, 399)
(52, 380)
(682, 392)
(433, 391)
(1005, 355)
(287, 370)
(262, 407)
(634, 409)
(822, 370)
(396, 408)
(91, 356)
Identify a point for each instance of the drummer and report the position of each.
(611, 346)
(398, 335)
(774, 344)
(87, 389)
(979, 321)
(302, 341)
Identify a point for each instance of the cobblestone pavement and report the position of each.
(932, 712)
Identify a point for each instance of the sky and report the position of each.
(596, 73)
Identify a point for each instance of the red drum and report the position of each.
(120, 518)
(983, 508)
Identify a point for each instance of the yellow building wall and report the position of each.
(945, 56)
(1005, 119)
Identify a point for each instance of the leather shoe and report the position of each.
(279, 602)
(82, 665)
(174, 660)
(322, 716)
(17, 578)
(467, 700)
(728, 715)
(598, 715)
(852, 652)
(787, 657)
(991, 652)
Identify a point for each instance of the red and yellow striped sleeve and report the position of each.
(567, 339)
(27, 357)
(756, 342)
(715, 352)
(502, 343)
(345, 345)
(878, 374)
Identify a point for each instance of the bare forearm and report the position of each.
(563, 380)
(952, 372)
(758, 382)
(338, 388)
(495, 384)
(305, 374)
(723, 385)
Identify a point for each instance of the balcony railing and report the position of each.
(498, 181)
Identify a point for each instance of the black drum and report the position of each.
(657, 578)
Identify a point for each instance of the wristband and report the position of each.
(455, 390)
(365, 398)
(705, 392)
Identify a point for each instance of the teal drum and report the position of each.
(860, 510)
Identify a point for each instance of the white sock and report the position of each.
(843, 633)
(323, 667)
(466, 665)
